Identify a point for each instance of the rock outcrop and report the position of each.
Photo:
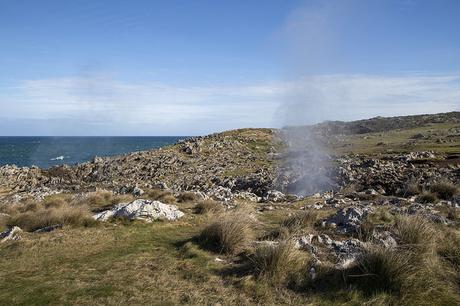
(140, 209)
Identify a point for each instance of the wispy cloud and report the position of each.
(156, 108)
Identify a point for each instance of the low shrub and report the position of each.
(231, 234)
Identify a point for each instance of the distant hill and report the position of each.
(382, 124)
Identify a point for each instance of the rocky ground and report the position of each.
(353, 183)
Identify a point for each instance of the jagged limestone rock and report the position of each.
(140, 209)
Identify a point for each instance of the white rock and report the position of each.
(275, 196)
(12, 234)
(146, 210)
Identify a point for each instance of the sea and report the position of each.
(46, 152)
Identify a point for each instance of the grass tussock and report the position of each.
(427, 197)
(414, 231)
(100, 200)
(383, 269)
(300, 220)
(65, 215)
(449, 250)
(444, 190)
(231, 234)
(276, 263)
(208, 206)
(185, 197)
(163, 196)
(412, 189)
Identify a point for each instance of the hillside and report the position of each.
(362, 212)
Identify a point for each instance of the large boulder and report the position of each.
(146, 210)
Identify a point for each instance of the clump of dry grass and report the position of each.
(231, 234)
(383, 269)
(187, 197)
(449, 250)
(4, 219)
(444, 189)
(276, 262)
(161, 195)
(100, 200)
(414, 231)
(208, 206)
(427, 197)
(43, 217)
(300, 220)
(412, 189)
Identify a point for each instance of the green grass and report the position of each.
(400, 141)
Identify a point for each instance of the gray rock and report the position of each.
(47, 229)
(137, 192)
(349, 218)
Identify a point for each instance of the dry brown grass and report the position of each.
(444, 189)
(231, 234)
(427, 197)
(276, 263)
(187, 197)
(412, 189)
(100, 200)
(64, 215)
(160, 195)
(414, 231)
(208, 206)
(300, 220)
(384, 269)
(449, 249)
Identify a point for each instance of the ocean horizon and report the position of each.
(48, 151)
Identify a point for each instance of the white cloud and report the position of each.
(155, 108)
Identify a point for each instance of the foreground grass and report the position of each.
(118, 264)
(135, 264)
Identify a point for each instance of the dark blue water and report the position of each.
(45, 152)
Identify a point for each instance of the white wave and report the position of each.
(58, 158)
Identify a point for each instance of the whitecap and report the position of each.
(58, 158)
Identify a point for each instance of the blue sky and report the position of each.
(195, 67)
